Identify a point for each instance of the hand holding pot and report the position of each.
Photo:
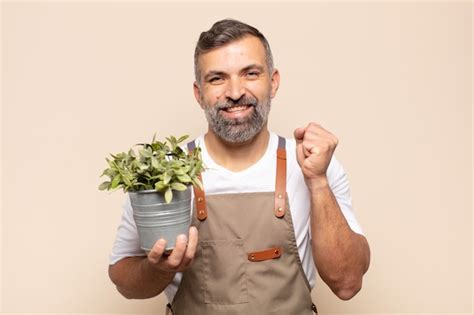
(180, 258)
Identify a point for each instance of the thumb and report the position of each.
(299, 134)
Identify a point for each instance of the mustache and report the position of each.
(241, 101)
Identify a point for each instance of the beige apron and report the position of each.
(246, 261)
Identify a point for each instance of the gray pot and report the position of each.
(157, 219)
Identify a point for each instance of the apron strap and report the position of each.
(199, 195)
(280, 183)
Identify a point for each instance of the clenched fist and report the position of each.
(314, 149)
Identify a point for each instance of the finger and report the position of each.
(299, 134)
(157, 251)
(315, 145)
(176, 256)
(191, 249)
(315, 150)
(300, 155)
(315, 129)
(306, 148)
(311, 149)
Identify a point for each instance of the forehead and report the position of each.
(234, 56)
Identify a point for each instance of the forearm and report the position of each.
(136, 278)
(340, 255)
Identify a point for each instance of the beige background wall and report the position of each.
(392, 80)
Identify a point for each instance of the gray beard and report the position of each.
(238, 130)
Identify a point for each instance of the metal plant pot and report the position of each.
(157, 219)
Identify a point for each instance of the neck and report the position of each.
(237, 156)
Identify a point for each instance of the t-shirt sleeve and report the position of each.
(126, 242)
(340, 187)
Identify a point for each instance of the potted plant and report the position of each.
(158, 177)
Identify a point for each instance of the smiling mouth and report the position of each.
(237, 108)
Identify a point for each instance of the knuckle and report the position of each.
(189, 256)
(153, 260)
(173, 264)
(158, 247)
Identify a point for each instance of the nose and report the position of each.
(234, 89)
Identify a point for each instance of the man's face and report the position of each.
(236, 89)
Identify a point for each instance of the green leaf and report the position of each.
(181, 139)
(145, 153)
(104, 186)
(173, 141)
(178, 187)
(160, 186)
(127, 181)
(168, 195)
(198, 166)
(192, 173)
(176, 164)
(154, 162)
(179, 152)
(110, 162)
(184, 178)
(166, 178)
(179, 171)
(115, 181)
(197, 182)
(163, 166)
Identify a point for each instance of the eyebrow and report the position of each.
(252, 66)
(247, 68)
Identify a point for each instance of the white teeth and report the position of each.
(236, 108)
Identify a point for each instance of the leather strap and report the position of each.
(271, 253)
(280, 184)
(199, 195)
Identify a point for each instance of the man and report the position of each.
(272, 209)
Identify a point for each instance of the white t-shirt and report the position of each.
(259, 177)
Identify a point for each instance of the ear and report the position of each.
(275, 82)
(197, 93)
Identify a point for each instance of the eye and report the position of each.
(215, 80)
(252, 74)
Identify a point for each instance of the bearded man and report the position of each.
(273, 211)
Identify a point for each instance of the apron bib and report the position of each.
(246, 261)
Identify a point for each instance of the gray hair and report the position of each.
(224, 32)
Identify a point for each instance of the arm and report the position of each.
(145, 277)
(136, 278)
(340, 255)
